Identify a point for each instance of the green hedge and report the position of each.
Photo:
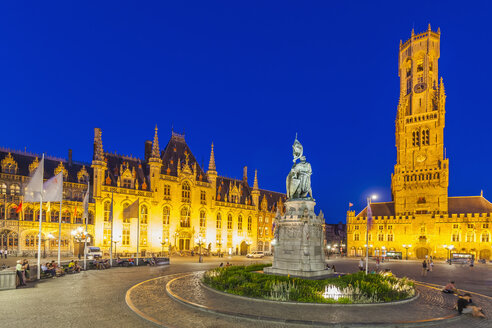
(350, 288)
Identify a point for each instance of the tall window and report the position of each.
(356, 237)
(202, 219)
(106, 237)
(106, 210)
(144, 215)
(485, 237)
(66, 217)
(32, 240)
(470, 237)
(240, 223)
(203, 197)
(125, 233)
(390, 237)
(229, 222)
(165, 215)
(14, 189)
(218, 223)
(267, 231)
(426, 137)
(54, 216)
(455, 237)
(167, 192)
(380, 237)
(416, 138)
(3, 188)
(13, 215)
(28, 214)
(185, 192)
(144, 219)
(250, 223)
(185, 217)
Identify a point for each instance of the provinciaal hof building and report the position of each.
(422, 219)
(181, 206)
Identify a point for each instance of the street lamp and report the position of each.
(374, 196)
(406, 248)
(449, 248)
(115, 250)
(199, 240)
(328, 247)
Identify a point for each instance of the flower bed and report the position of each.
(350, 288)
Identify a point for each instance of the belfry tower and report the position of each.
(420, 181)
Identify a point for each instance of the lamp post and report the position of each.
(44, 240)
(329, 250)
(115, 250)
(406, 249)
(449, 248)
(164, 243)
(175, 235)
(219, 243)
(199, 240)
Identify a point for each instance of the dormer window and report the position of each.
(127, 183)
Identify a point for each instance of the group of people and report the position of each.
(54, 270)
(3, 253)
(464, 305)
(427, 265)
(22, 270)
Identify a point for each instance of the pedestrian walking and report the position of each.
(361, 265)
(431, 264)
(5, 253)
(377, 263)
(1, 253)
(472, 261)
(424, 268)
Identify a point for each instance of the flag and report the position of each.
(350, 204)
(75, 212)
(49, 207)
(132, 210)
(369, 215)
(18, 208)
(34, 189)
(53, 189)
(85, 204)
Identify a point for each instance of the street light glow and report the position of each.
(374, 196)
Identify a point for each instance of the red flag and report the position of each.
(75, 212)
(18, 207)
(350, 204)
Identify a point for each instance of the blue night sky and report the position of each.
(247, 76)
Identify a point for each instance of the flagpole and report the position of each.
(59, 234)
(138, 230)
(111, 240)
(40, 219)
(86, 214)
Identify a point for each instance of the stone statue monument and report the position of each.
(298, 234)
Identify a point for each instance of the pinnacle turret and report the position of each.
(98, 146)
(155, 145)
(211, 163)
(255, 183)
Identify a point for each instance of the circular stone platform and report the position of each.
(149, 300)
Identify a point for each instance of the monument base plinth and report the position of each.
(319, 274)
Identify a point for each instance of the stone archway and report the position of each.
(421, 252)
(243, 248)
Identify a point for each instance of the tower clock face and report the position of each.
(420, 87)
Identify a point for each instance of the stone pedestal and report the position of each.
(299, 241)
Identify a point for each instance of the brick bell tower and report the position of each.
(419, 183)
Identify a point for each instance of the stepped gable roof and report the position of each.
(470, 204)
(24, 159)
(272, 198)
(117, 165)
(225, 184)
(379, 209)
(176, 149)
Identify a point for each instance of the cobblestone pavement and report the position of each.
(97, 298)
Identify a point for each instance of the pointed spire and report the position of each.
(413, 32)
(98, 146)
(211, 163)
(429, 27)
(255, 183)
(438, 30)
(155, 145)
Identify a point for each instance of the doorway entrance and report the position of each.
(184, 244)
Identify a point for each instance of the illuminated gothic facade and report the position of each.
(181, 207)
(421, 219)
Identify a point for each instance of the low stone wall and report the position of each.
(7, 279)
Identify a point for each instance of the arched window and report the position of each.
(3, 188)
(260, 246)
(485, 237)
(390, 237)
(77, 216)
(380, 237)
(185, 192)
(8, 239)
(229, 222)
(202, 219)
(240, 223)
(165, 215)
(106, 210)
(55, 216)
(218, 223)
(250, 223)
(144, 215)
(185, 217)
(13, 215)
(455, 237)
(28, 214)
(356, 236)
(470, 237)
(144, 219)
(425, 137)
